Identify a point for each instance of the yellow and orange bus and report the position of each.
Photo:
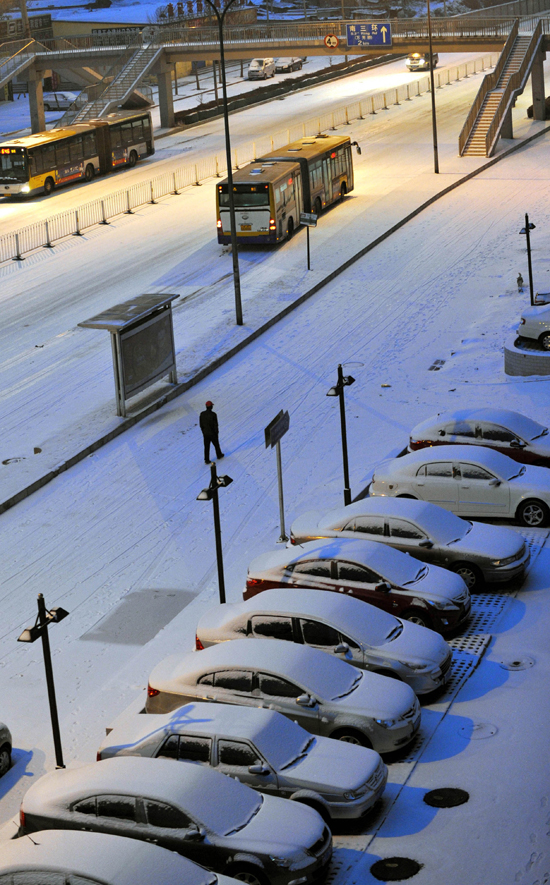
(46, 160)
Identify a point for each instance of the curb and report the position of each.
(179, 389)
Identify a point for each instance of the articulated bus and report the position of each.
(46, 160)
(270, 193)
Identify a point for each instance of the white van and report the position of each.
(58, 101)
(420, 61)
(261, 69)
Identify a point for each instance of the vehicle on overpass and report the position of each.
(271, 192)
(261, 69)
(420, 61)
(46, 160)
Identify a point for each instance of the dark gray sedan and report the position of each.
(477, 552)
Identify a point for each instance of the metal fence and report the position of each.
(73, 222)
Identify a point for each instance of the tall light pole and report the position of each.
(529, 226)
(432, 86)
(236, 274)
(211, 494)
(31, 634)
(338, 390)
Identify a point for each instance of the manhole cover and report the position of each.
(12, 460)
(477, 731)
(518, 663)
(446, 797)
(394, 869)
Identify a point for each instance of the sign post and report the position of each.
(274, 432)
(369, 34)
(310, 220)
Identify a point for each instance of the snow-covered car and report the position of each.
(5, 749)
(285, 65)
(211, 819)
(477, 552)
(345, 627)
(508, 432)
(263, 749)
(69, 857)
(470, 481)
(535, 324)
(58, 101)
(261, 69)
(322, 694)
(424, 594)
(420, 61)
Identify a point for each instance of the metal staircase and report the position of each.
(498, 94)
(134, 66)
(16, 63)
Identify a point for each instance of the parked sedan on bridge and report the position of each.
(508, 432)
(390, 580)
(352, 630)
(202, 814)
(470, 481)
(263, 749)
(285, 65)
(477, 552)
(322, 694)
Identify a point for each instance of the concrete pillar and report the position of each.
(537, 86)
(36, 102)
(166, 100)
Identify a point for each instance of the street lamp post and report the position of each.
(529, 226)
(338, 390)
(432, 87)
(235, 255)
(211, 494)
(31, 634)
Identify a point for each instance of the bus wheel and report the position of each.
(317, 208)
(343, 190)
(290, 228)
(89, 173)
(48, 186)
(133, 158)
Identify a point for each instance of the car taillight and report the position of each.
(252, 582)
(152, 692)
(98, 756)
(219, 223)
(198, 644)
(292, 539)
(522, 322)
(21, 818)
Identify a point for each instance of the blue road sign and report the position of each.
(369, 34)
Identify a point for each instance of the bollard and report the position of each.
(128, 210)
(396, 96)
(418, 87)
(448, 76)
(18, 256)
(236, 166)
(466, 74)
(457, 75)
(439, 81)
(152, 200)
(103, 215)
(408, 94)
(385, 103)
(77, 232)
(361, 117)
(175, 191)
(347, 117)
(48, 244)
(197, 182)
(217, 169)
(372, 104)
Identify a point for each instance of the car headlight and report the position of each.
(506, 561)
(280, 861)
(412, 666)
(386, 723)
(26, 189)
(350, 795)
(443, 606)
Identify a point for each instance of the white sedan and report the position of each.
(470, 481)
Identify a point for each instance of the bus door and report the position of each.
(327, 179)
(299, 196)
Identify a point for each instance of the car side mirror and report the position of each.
(304, 700)
(196, 834)
(384, 587)
(257, 768)
(341, 649)
(494, 482)
(517, 444)
(441, 433)
(426, 543)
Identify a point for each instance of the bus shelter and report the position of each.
(142, 343)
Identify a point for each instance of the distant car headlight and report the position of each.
(443, 606)
(506, 561)
(350, 795)
(412, 666)
(26, 189)
(280, 861)
(386, 723)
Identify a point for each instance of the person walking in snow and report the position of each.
(208, 421)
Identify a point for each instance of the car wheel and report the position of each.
(48, 186)
(248, 874)
(417, 617)
(545, 341)
(290, 228)
(533, 514)
(5, 760)
(317, 208)
(47, 107)
(350, 736)
(320, 809)
(470, 574)
(90, 172)
(132, 160)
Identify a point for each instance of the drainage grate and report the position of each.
(395, 869)
(518, 663)
(446, 797)
(436, 365)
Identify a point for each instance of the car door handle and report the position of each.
(464, 487)
(420, 483)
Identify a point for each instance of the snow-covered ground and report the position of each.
(121, 542)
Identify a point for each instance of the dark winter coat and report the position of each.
(209, 423)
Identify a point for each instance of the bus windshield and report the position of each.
(13, 166)
(245, 195)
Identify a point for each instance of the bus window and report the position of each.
(48, 157)
(146, 127)
(126, 131)
(89, 145)
(75, 150)
(35, 161)
(137, 131)
(61, 154)
(116, 139)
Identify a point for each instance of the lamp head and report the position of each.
(333, 391)
(205, 495)
(31, 634)
(224, 480)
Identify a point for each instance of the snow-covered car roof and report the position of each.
(101, 857)
(309, 667)
(501, 464)
(276, 736)
(378, 557)
(218, 802)
(352, 616)
(520, 424)
(441, 524)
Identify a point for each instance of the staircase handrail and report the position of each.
(5, 64)
(487, 84)
(514, 85)
(109, 78)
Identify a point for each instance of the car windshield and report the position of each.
(281, 741)
(302, 754)
(351, 688)
(519, 473)
(421, 573)
(442, 526)
(222, 805)
(397, 631)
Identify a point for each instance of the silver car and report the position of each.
(261, 748)
(535, 324)
(477, 552)
(68, 856)
(324, 695)
(343, 626)
(204, 815)
(5, 749)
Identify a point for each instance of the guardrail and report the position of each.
(73, 222)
